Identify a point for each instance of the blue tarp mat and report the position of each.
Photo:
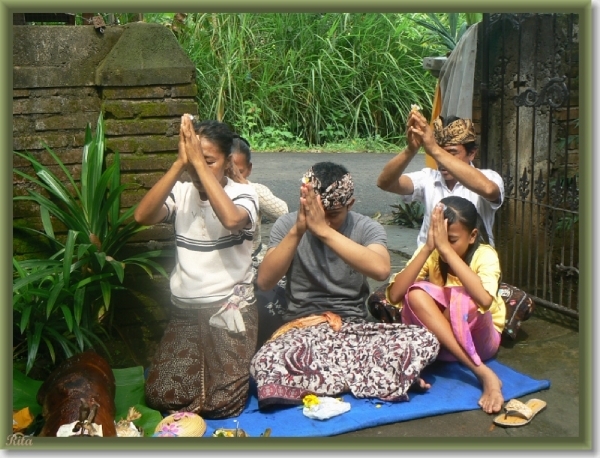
(453, 389)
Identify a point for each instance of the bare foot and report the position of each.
(491, 400)
(420, 385)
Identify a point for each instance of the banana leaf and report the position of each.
(130, 393)
(24, 392)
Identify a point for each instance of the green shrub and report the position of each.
(320, 77)
(408, 215)
(61, 301)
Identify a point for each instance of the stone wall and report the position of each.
(137, 75)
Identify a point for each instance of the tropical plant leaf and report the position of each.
(69, 349)
(24, 323)
(68, 255)
(93, 279)
(68, 316)
(73, 222)
(115, 207)
(90, 337)
(146, 264)
(79, 338)
(118, 268)
(130, 393)
(54, 293)
(78, 308)
(33, 344)
(106, 293)
(46, 222)
(24, 392)
(98, 198)
(31, 278)
(53, 185)
(149, 420)
(50, 348)
(65, 171)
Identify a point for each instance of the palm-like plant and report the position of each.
(60, 301)
(450, 33)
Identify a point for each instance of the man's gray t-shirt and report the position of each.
(318, 280)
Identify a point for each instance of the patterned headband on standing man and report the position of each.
(458, 132)
(337, 193)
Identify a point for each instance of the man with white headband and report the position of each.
(327, 253)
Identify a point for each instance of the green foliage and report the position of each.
(445, 29)
(316, 77)
(268, 137)
(130, 393)
(59, 302)
(571, 141)
(24, 392)
(408, 215)
(566, 223)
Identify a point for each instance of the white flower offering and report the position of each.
(415, 107)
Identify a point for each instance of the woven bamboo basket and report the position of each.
(183, 424)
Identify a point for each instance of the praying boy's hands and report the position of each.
(181, 154)
(193, 147)
(313, 209)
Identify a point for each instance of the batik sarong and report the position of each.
(203, 368)
(369, 360)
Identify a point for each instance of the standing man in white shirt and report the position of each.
(452, 144)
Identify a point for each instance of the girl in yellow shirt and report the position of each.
(450, 286)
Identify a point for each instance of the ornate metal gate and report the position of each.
(529, 134)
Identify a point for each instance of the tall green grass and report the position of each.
(310, 78)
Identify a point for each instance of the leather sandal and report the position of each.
(518, 414)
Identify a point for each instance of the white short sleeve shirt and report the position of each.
(430, 188)
(211, 259)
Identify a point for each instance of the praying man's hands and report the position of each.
(312, 207)
(413, 140)
(419, 128)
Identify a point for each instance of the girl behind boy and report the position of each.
(269, 205)
(459, 302)
(271, 303)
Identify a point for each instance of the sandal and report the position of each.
(518, 414)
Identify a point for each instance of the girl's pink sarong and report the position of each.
(473, 330)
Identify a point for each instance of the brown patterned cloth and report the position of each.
(336, 195)
(201, 368)
(458, 132)
(369, 360)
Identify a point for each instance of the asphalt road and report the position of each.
(282, 172)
